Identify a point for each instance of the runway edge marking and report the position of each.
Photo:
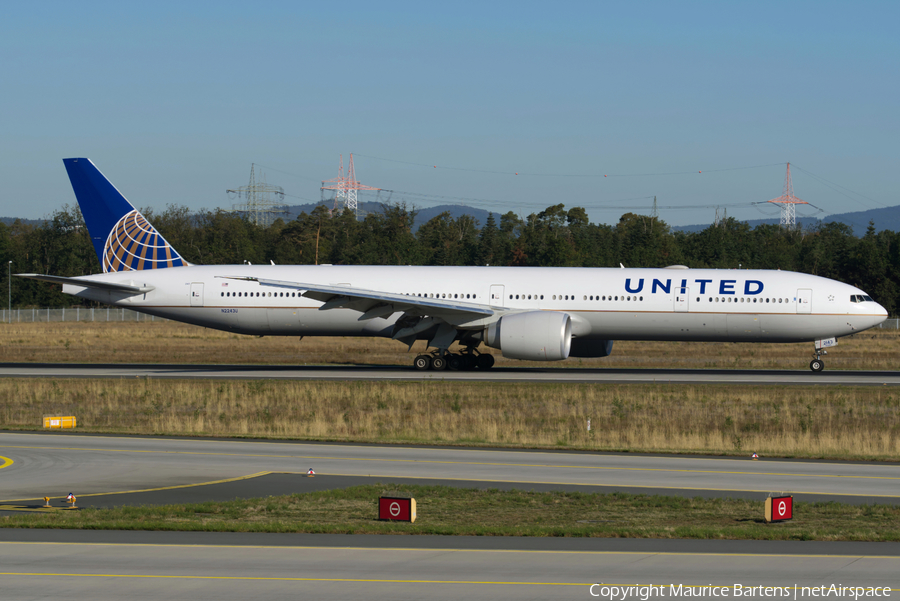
(291, 579)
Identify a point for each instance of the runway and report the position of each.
(218, 566)
(55, 464)
(499, 374)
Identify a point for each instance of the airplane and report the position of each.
(528, 313)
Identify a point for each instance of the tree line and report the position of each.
(555, 237)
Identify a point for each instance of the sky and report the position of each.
(506, 106)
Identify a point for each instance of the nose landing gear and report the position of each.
(817, 364)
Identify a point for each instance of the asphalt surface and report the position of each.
(110, 470)
(394, 373)
(216, 566)
(54, 464)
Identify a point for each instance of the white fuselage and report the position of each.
(604, 303)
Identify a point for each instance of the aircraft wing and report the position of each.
(372, 303)
(113, 286)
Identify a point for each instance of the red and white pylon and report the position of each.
(788, 201)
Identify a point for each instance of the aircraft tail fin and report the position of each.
(123, 239)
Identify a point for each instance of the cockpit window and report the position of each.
(861, 298)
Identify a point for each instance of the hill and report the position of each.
(11, 220)
(424, 215)
(887, 218)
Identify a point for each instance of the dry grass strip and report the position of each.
(837, 422)
(452, 511)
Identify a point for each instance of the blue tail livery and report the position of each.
(123, 239)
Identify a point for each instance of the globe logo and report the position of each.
(134, 245)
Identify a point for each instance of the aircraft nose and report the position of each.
(882, 311)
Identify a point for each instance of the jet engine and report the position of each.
(533, 336)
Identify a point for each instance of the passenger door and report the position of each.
(682, 299)
(804, 300)
(197, 294)
(497, 295)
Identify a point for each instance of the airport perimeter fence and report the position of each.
(890, 324)
(35, 315)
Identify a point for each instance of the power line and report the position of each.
(400, 194)
(597, 206)
(597, 175)
(834, 186)
(309, 179)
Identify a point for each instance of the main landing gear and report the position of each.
(467, 360)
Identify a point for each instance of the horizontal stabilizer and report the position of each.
(112, 286)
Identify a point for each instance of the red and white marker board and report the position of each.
(396, 508)
(779, 509)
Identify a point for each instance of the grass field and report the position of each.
(834, 422)
(171, 342)
(452, 511)
(807, 421)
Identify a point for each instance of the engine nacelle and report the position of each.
(533, 336)
(582, 347)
